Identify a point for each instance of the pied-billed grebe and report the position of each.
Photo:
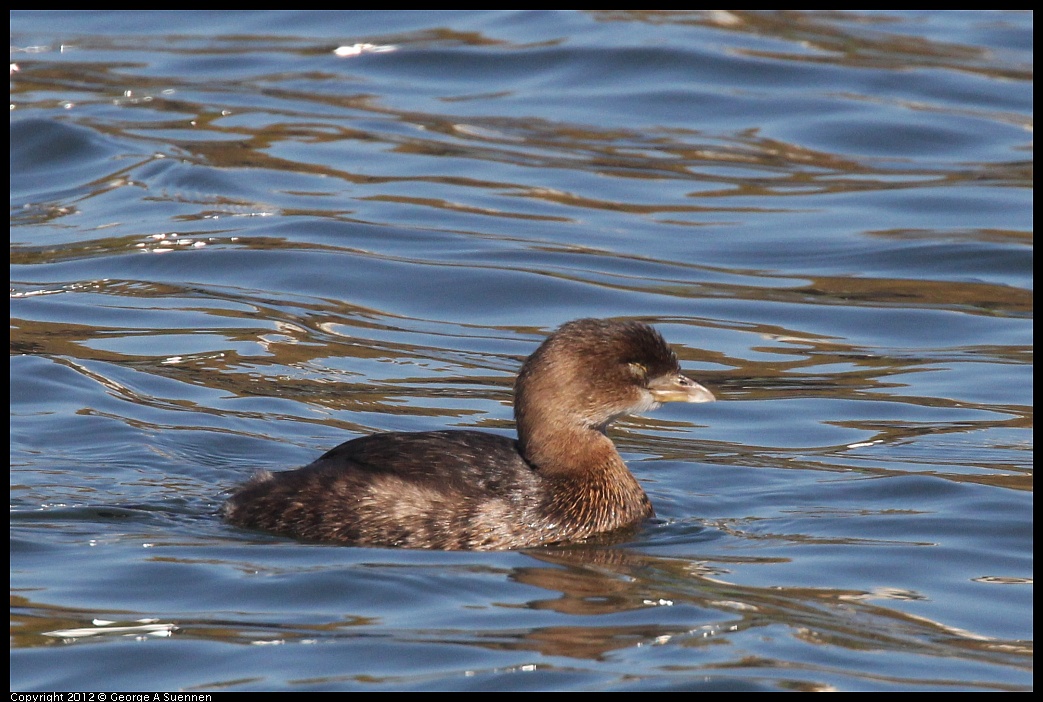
(562, 480)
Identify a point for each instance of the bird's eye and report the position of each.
(637, 370)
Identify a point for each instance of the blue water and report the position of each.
(241, 238)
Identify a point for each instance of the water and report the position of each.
(233, 247)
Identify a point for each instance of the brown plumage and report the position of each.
(562, 480)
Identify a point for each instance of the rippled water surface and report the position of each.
(238, 239)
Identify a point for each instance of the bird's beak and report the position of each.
(678, 388)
